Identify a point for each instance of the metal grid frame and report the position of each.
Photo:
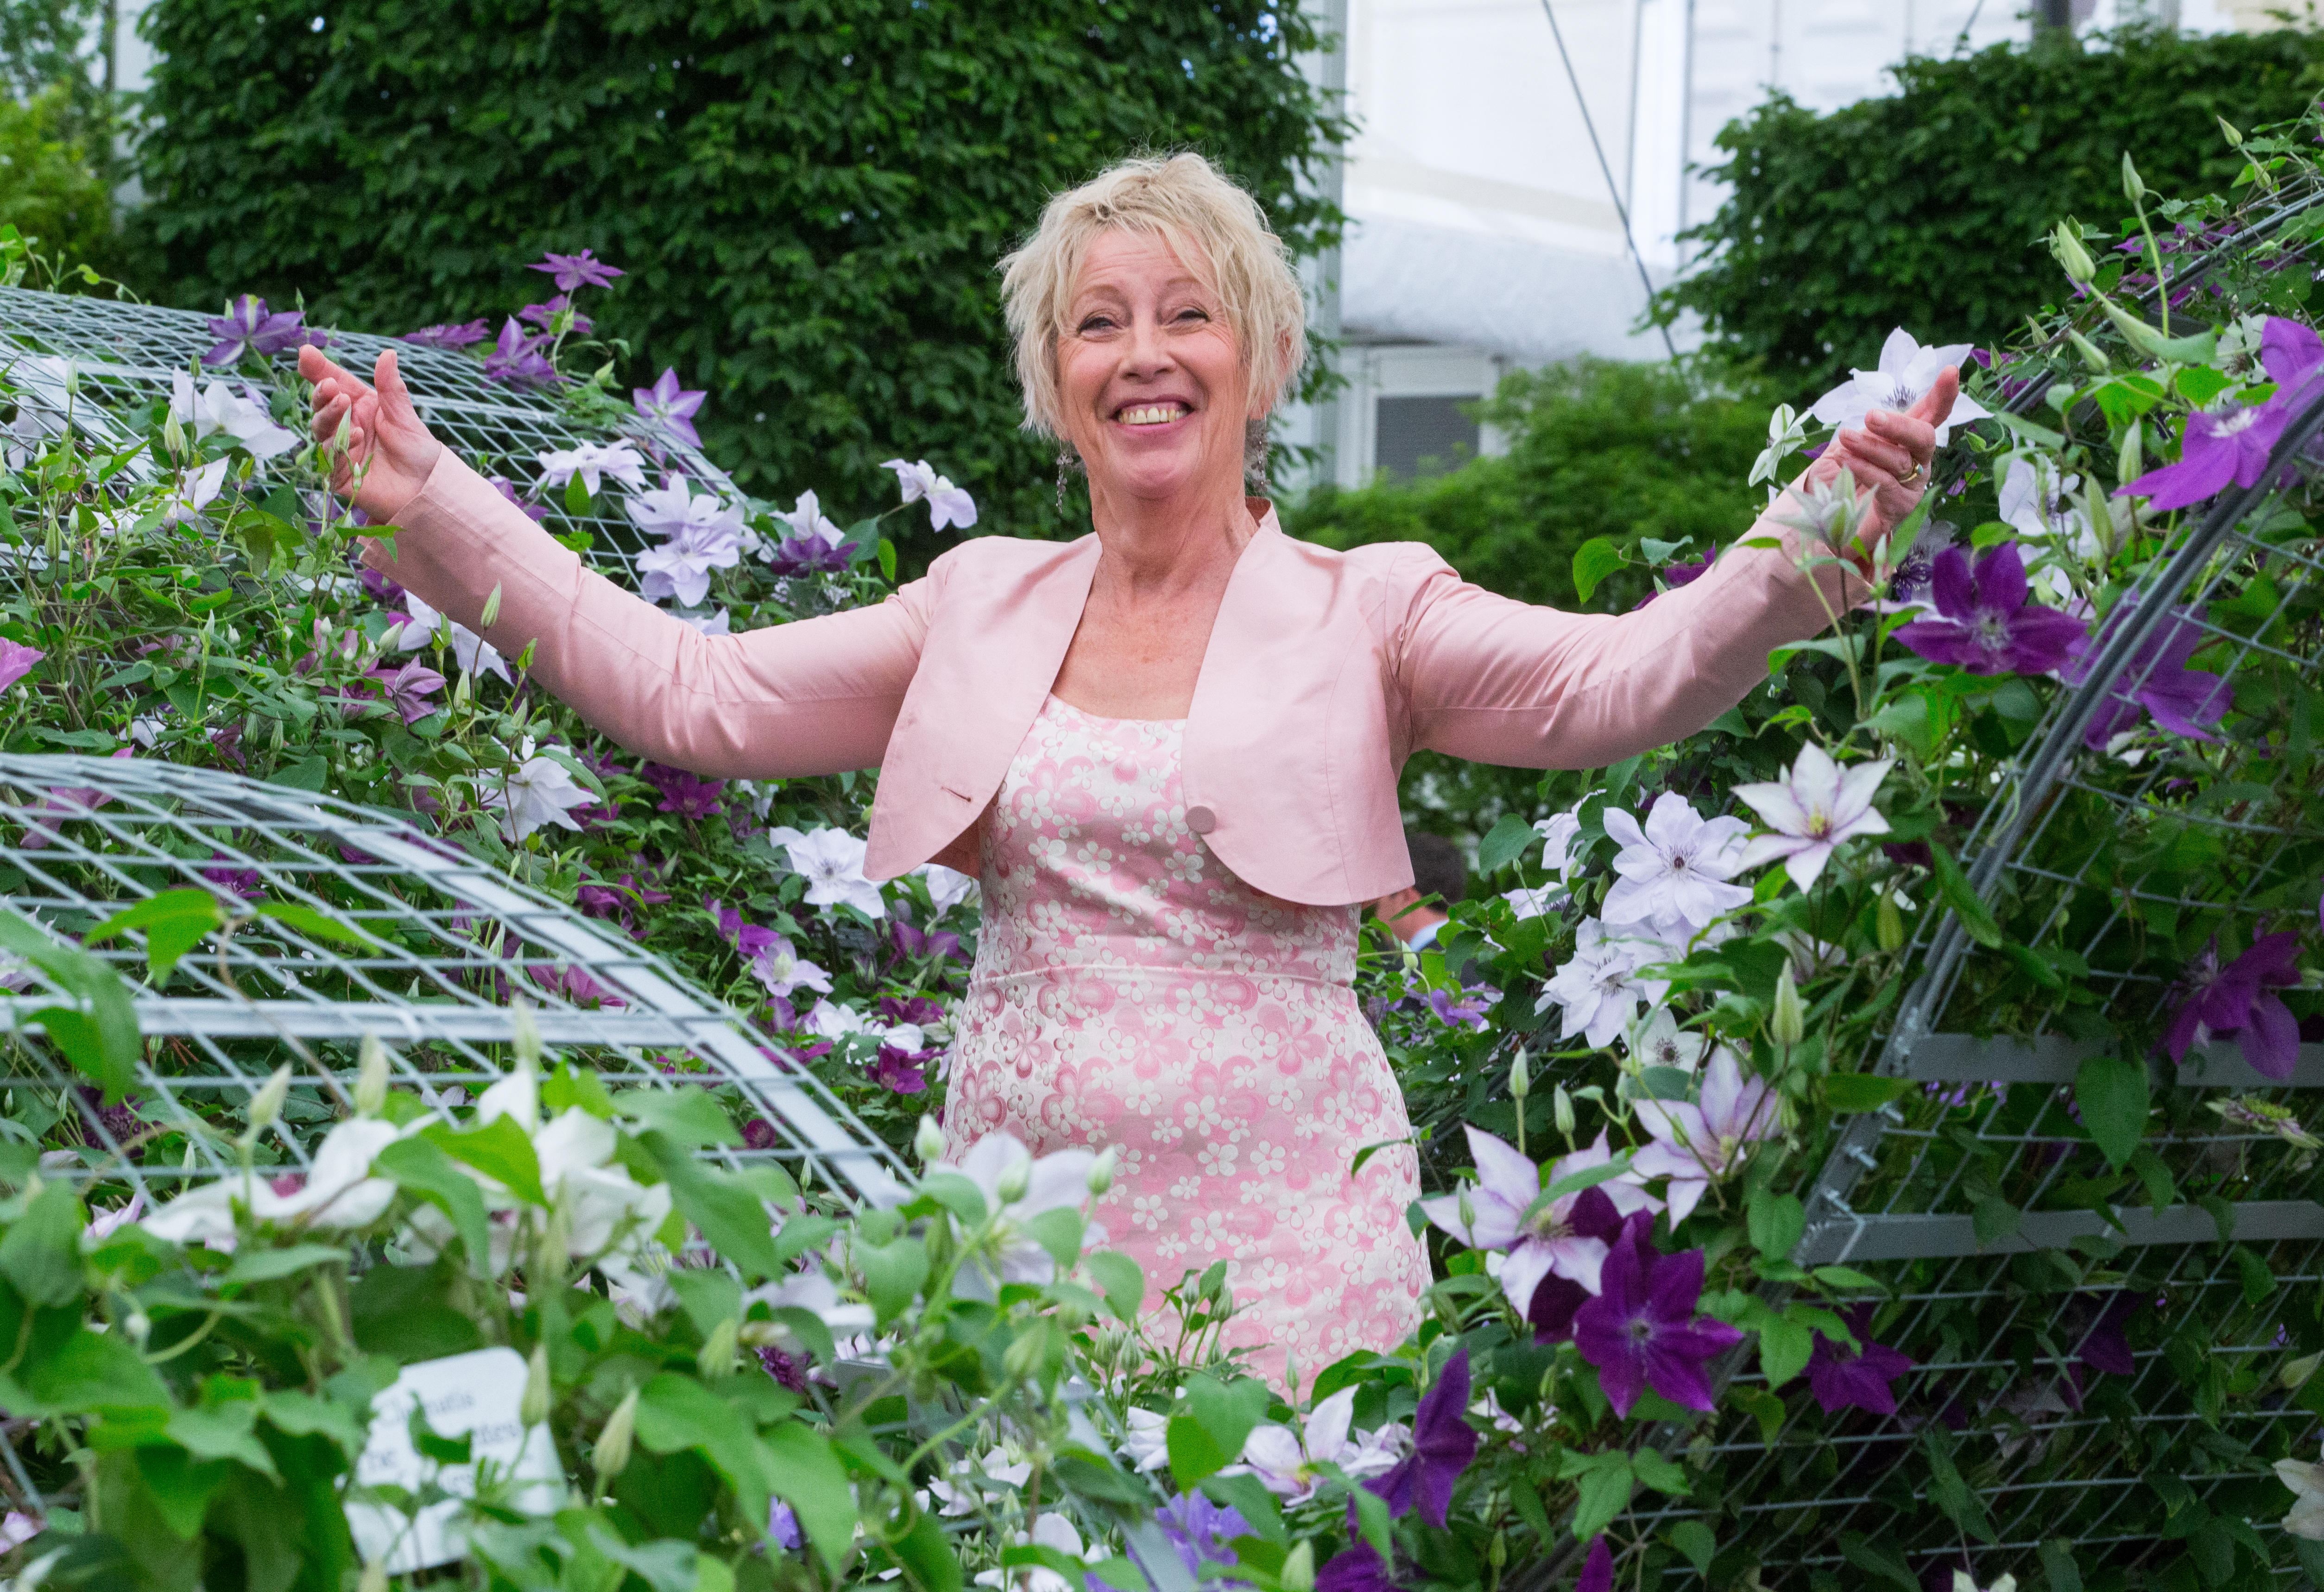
(125, 356)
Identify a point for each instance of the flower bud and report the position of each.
(2227, 130)
(2137, 332)
(1026, 1352)
(533, 1408)
(2296, 1374)
(1497, 1554)
(1101, 1171)
(524, 1037)
(1562, 1103)
(2066, 244)
(491, 613)
(1521, 1074)
(1888, 923)
(2134, 186)
(266, 1105)
(173, 436)
(139, 1326)
(929, 1143)
(371, 1077)
(462, 691)
(1014, 1179)
(1468, 1207)
(718, 1357)
(1298, 1571)
(2092, 354)
(2130, 461)
(374, 1576)
(1788, 1024)
(611, 1456)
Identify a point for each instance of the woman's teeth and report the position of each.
(1152, 414)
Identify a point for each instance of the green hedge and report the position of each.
(809, 195)
(50, 188)
(1925, 209)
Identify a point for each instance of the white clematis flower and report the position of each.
(1050, 1531)
(1600, 988)
(593, 464)
(2307, 1483)
(947, 886)
(339, 1192)
(1557, 836)
(1811, 810)
(832, 862)
(1675, 868)
(1147, 1444)
(218, 408)
(1286, 1462)
(948, 505)
(1059, 1181)
(541, 791)
(1657, 1041)
(475, 654)
(1906, 372)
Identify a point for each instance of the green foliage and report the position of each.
(809, 197)
(1927, 209)
(52, 186)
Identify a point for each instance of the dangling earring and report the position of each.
(1068, 462)
(1256, 444)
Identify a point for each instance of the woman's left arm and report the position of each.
(1498, 681)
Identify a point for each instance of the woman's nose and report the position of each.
(1147, 351)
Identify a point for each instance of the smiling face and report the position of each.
(1154, 393)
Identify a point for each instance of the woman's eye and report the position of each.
(1096, 323)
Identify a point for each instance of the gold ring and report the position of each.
(1914, 475)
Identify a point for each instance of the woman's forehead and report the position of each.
(1121, 258)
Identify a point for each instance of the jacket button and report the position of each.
(1202, 819)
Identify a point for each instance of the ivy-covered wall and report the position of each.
(1926, 208)
(809, 196)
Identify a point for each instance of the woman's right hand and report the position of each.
(387, 453)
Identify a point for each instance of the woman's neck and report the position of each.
(1158, 550)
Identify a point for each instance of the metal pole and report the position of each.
(2054, 15)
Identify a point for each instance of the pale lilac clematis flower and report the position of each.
(780, 967)
(247, 327)
(1659, 1041)
(592, 464)
(1675, 868)
(1286, 1461)
(218, 408)
(576, 270)
(409, 688)
(832, 862)
(1058, 1181)
(1696, 1145)
(448, 335)
(1506, 1186)
(948, 505)
(2306, 1481)
(1905, 374)
(704, 535)
(674, 406)
(1811, 810)
(16, 661)
(1601, 987)
(540, 791)
(474, 654)
(1557, 834)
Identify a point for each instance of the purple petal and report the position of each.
(2001, 578)
(2271, 1039)
(1951, 587)
(1597, 1569)
(2202, 474)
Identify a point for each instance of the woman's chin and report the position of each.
(1155, 476)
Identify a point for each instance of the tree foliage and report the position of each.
(1926, 208)
(53, 187)
(809, 196)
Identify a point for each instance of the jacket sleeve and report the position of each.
(1494, 680)
(816, 696)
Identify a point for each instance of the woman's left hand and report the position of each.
(1891, 455)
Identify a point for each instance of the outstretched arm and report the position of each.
(1499, 681)
(814, 697)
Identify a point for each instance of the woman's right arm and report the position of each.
(814, 697)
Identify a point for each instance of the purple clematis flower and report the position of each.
(1442, 1444)
(1556, 1298)
(935, 943)
(576, 270)
(1200, 1530)
(2291, 354)
(2217, 449)
(409, 688)
(1597, 1569)
(682, 793)
(247, 329)
(673, 406)
(16, 661)
(1506, 1186)
(1641, 1329)
(542, 315)
(1457, 1014)
(746, 938)
(517, 360)
(1984, 622)
(901, 1071)
(465, 335)
(243, 882)
(2105, 1346)
(1839, 1379)
(2239, 1000)
(2183, 700)
(1355, 1569)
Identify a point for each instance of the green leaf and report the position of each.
(2058, 1565)
(708, 1296)
(41, 1253)
(1505, 843)
(1594, 561)
(1842, 1276)
(306, 774)
(956, 1194)
(1776, 1223)
(174, 922)
(1602, 1495)
(1763, 1406)
(1994, 1219)
(676, 1412)
(732, 1220)
(808, 1475)
(90, 1371)
(1119, 1278)
(264, 1265)
(1694, 1541)
(500, 1149)
(180, 1486)
(1209, 1436)
(930, 1563)
(419, 1168)
(1960, 1502)
(1861, 1091)
(1976, 918)
(685, 1115)
(664, 1566)
(576, 495)
(892, 1274)
(1660, 1473)
(313, 924)
(1784, 1347)
(1057, 1230)
(1886, 1563)
(2111, 1093)
(98, 1032)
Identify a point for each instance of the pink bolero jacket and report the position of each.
(1324, 671)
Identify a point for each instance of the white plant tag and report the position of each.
(477, 1394)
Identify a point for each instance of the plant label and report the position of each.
(445, 1432)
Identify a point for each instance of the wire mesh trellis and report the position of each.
(125, 356)
(1981, 1204)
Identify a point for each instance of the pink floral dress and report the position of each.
(1129, 991)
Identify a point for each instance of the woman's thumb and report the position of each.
(395, 397)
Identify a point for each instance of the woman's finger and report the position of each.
(1916, 437)
(395, 397)
(1863, 448)
(1938, 402)
(318, 367)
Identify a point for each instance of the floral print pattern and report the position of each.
(1129, 991)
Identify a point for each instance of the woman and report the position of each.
(1169, 748)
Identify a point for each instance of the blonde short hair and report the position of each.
(1214, 226)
